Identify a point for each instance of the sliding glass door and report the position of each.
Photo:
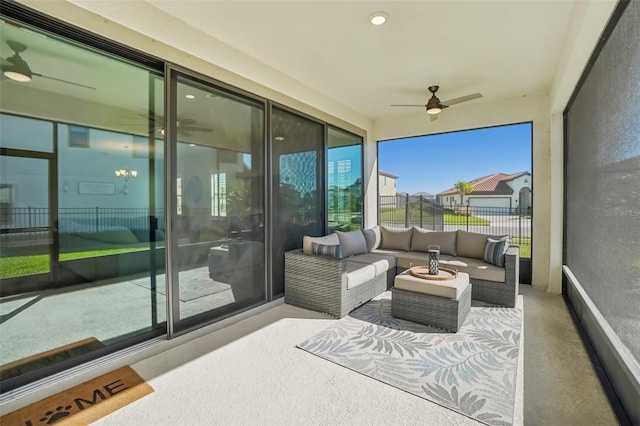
(297, 158)
(344, 180)
(81, 220)
(133, 197)
(217, 141)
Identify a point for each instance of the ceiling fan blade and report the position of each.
(463, 99)
(64, 81)
(409, 105)
(197, 129)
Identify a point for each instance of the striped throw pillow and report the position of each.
(494, 251)
(327, 250)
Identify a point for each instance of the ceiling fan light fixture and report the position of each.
(17, 76)
(126, 173)
(378, 18)
(434, 106)
(18, 70)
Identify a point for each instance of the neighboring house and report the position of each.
(424, 195)
(496, 190)
(387, 184)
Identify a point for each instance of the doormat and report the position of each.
(84, 403)
(31, 363)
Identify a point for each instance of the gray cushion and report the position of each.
(494, 251)
(352, 243)
(476, 268)
(396, 238)
(382, 262)
(372, 236)
(307, 241)
(419, 239)
(446, 241)
(327, 250)
(472, 244)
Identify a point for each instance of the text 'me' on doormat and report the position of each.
(84, 403)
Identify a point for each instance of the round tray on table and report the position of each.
(423, 272)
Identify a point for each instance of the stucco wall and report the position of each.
(389, 188)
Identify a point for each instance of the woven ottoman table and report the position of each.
(439, 303)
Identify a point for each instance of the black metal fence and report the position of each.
(81, 219)
(405, 211)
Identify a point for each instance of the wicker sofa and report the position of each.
(329, 275)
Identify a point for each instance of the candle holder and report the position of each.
(434, 257)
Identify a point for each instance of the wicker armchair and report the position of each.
(505, 293)
(319, 283)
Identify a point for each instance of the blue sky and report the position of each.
(435, 163)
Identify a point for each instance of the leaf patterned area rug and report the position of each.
(472, 371)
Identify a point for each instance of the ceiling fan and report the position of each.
(184, 126)
(434, 106)
(17, 69)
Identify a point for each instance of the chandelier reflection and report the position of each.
(126, 173)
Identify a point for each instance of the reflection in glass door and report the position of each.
(297, 180)
(218, 230)
(81, 241)
(25, 221)
(344, 181)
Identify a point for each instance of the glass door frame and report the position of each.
(272, 184)
(171, 74)
(52, 176)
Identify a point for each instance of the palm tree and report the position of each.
(464, 188)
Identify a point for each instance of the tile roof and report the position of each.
(424, 194)
(495, 184)
(383, 173)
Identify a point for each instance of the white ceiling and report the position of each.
(501, 49)
(327, 49)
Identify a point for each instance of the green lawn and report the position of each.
(17, 266)
(454, 219)
(525, 245)
(397, 214)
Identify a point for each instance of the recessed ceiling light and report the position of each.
(279, 138)
(192, 144)
(190, 96)
(378, 18)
